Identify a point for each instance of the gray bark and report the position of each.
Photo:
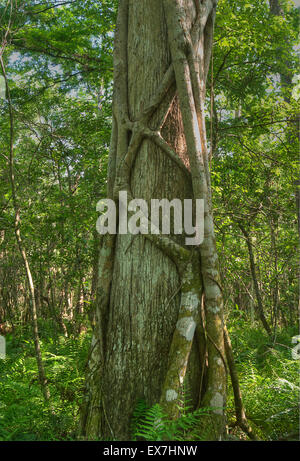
(150, 285)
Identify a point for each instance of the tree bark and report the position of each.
(150, 286)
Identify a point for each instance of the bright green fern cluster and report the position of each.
(153, 425)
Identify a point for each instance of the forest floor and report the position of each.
(269, 378)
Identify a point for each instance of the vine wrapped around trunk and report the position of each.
(151, 286)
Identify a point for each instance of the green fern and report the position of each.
(153, 425)
(138, 416)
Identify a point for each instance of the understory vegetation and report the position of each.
(269, 379)
(56, 86)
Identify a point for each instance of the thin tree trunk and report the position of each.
(239, 406)
(17, 223)
(260, 308)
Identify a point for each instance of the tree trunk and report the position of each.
(150, 286)
(260, 309)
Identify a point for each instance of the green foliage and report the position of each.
(23, 413)
(255, 162)
(59, 66)
(269, 379)
(153, 425)
(268, 376)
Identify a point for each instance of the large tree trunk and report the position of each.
(150, 286)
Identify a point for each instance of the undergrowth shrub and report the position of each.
(153, 425)
(269, 379)
(23, 413)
